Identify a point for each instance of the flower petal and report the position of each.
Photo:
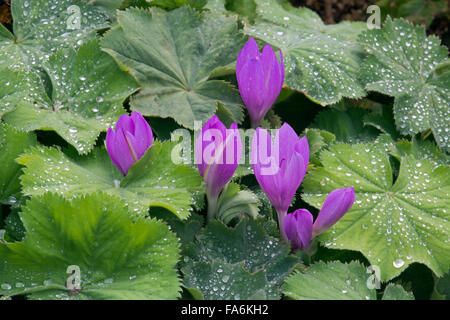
(125, 123)
(337, 203)
(110, 143)
(207, 140)
(252, 87)
(225, 162)
(143, 134)
(298, 228)
(249, 51)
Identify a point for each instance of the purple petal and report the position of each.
(298, 228)
(110, 142)
(291, 178)
(143, 134)
(285, 142)
(218, 174)
(125, 123)
(281, 69)
(250, 51)
(302, 147)
(337, 203)
(252, 87)
(279, 183)
(272, 78)
(218, 152)
(207, 140)
(119, 151)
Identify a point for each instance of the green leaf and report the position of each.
(443, 286)
(219, 280)
(396, 292)
(13, 226)
(234, 202)
(392, 224)
(12, 144)
(216, 5)
(320, 60)
(317, 141)
(417, 11)
(401, 63)
(245, 8)
(41, 26)
(117, 258)
(15, 86)
(173, 66)
(184, 229)
(244, 252)
(87, 96)
(330, 281)
(383, 121)
(173, 4)
(419, 149)
(347, 126)
(153, 181)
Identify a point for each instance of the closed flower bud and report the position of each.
(217, 153)
(129, 141)
(260, 78)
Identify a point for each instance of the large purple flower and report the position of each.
(217, 154)
(280, 166)
(299, 228)
(129, 142)
(260, 78)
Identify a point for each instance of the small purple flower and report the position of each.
(260, 79)
(279, 167)
(129, 142)
(217, 154)
(337, 203)
(299, 228)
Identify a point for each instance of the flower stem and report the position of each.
(281, 216)
(212, 207)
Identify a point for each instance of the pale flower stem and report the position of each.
(212, 207)
(255, 124)
(281, 216)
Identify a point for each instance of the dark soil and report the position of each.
(5, 12)
(333, 11)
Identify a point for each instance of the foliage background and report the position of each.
(373, 104)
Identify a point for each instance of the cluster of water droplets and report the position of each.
(400, 63)
(41, 27)
(406, 215)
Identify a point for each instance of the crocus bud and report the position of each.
(280, 166)
(298, 229)
(129, 142)
(337, 203)
(217, 153)
(260, 79)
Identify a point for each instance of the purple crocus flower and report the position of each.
(129, 142)
(279, 167)
(217, 154)
(299, 228)
(260, 79)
